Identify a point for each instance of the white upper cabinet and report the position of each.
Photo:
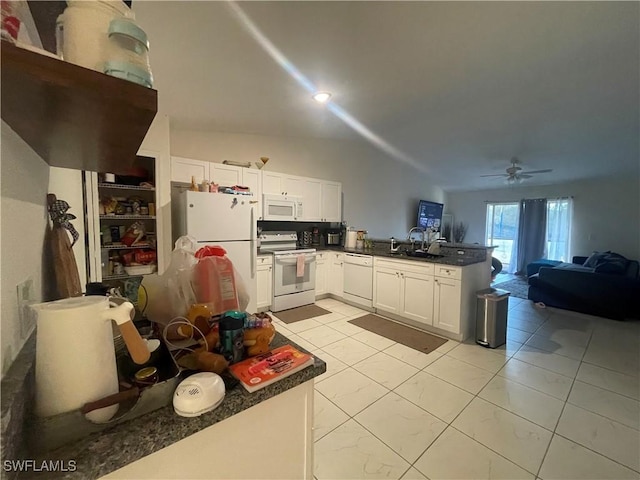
(225, 175)
(253, 180)
(184, 169)
(272, 183)
(331, 201)
(322, 199)
(312, 200)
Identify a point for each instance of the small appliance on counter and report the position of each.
(333, 237)
(315, 237)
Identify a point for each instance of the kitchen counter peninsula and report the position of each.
(454, 254)
(217, 444)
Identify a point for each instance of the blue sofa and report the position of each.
(605, 284)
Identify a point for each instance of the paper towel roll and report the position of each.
(351, 239)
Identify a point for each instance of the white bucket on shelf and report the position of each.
(90, 40)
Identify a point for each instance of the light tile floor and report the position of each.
(559, 400)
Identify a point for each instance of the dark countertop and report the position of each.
(109, 450)
(460, 261)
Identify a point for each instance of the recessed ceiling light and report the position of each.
(321, 97)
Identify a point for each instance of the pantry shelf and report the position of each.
(124, 247)
(127, 217)
(71, 116)
(117, 186)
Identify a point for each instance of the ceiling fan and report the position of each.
(515, 174)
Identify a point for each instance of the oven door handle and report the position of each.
(292, 260)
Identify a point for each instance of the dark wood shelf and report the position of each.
(71, 116)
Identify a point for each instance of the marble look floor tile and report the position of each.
(333, 365)
(322, 336)
(350, 351)
(436, 396)
(519, 336)
(411, 356)
(564, 336)
(373, 340)
(456, 456)
(351, 391)
(351, 452)
(556, 363)
(540, 379)
(626, 385)
(302, 325)
(348, 310)
(447, 346)
(329, 318)
(303, 343)
(549, 345)
(413, 474)
(282, 328)
(509, 349)
(611, 439)
(621, 360)
(515, 438)
(326, 416)
(343, 326)
(535, 406)
(459, 373)
(401, 425)
(522, 324)
(569, 461)
(530, 309)
(386, 370)
(515, 301)
(617, 407)
(485, 358)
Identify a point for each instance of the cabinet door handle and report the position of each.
(269, 268)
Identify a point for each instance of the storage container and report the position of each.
(86, 27)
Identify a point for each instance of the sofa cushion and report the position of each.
(575, 268)
(593, 259)
(612, 263)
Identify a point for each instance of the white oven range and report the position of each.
(294, 270)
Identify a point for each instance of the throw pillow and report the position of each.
(592, 261)
(613, 263)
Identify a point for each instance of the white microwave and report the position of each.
(281, 207)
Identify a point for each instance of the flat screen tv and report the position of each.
(429, 215)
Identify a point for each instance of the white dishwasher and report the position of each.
(358, 279)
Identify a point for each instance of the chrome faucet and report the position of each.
(417, 229)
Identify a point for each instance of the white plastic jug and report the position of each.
(86, 25)
(75, 354)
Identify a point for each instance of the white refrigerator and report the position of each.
(225, 220)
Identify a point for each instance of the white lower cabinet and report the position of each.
(386, 289)
(404, 289)
(336, 274)
(447, 298)
(417, 297)
(322, 272)
(264, 279)
(220, 451)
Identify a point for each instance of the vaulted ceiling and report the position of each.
(457, 87)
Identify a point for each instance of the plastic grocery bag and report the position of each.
(217, 283)
(171, 294)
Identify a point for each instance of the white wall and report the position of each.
(606, 214)
(24, 182)
(379, 194)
